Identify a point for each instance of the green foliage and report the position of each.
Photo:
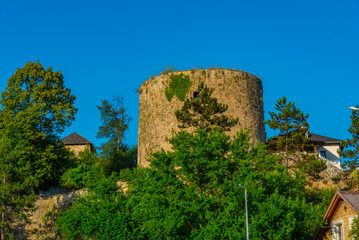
(179, 86)
(351, 146)
(115, 154)
(115, 122)
(39, 96)
(99, 214)
(16, 176)
(292, 125)
(38, 100)
(116, 160)
(74, 177)
(193, 193)
(355, 175)
(204, 112)
(87, 157)
(354, 231)
(312, 165)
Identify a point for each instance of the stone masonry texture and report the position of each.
(241, 91)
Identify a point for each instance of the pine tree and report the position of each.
(351, 146)
(292, 125)
(204, 112)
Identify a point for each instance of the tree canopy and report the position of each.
(292, 126)
(39, 97)
(351, 145)
(17, 180)
(115, 153)
(38, 100)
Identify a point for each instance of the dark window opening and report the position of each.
(195, 95)
(323, 154)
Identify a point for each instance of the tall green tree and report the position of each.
(291, 124)
(350, 146)
(204, 112)
(115, 154)
(17, 180)
(38, 99)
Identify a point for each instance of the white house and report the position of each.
(326, 147)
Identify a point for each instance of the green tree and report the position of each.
(351, 146)
(115, 154)
(292, 125)
(38, 99)
(354, 231)
(312, 165)
(204, 112)
(100, 213)
(17, 181)
(192, 192)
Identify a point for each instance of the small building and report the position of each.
(76, 143)
(339, 216)
(327, 148)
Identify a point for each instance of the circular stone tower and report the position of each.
(241, 91)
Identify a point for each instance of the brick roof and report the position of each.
(75, 139)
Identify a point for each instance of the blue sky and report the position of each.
(304, 50)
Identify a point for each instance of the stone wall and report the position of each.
(78, 148)
(41, 226)
(241, 91)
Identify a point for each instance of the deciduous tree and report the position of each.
(38, 99)
(115, 154)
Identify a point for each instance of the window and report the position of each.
(338, 230)
(323, 154)
(195, 95)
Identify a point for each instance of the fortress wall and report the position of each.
(241, 91)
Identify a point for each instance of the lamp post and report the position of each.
(245, 199)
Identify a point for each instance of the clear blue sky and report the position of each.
(307, 51)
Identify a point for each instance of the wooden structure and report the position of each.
(342, 210)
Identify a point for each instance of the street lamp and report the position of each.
(245, 198)
(354, 108)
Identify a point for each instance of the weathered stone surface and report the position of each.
(241, 91)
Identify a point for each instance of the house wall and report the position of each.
(78, 148)
(332, 152)
(343, 212)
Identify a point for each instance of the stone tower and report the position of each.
(241, 91)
